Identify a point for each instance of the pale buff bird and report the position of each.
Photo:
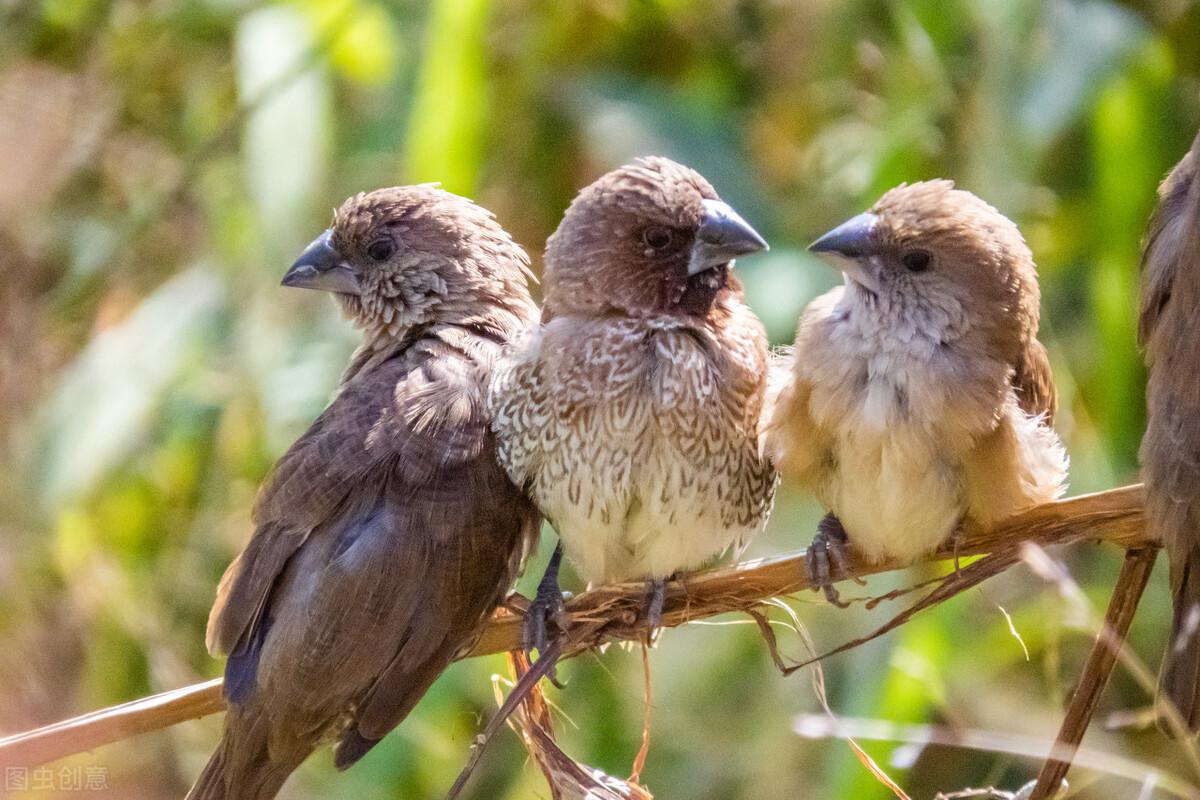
(919, 402)
(631, 416)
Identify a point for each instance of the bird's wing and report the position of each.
(546, 396)
(312, 478)
(1162, 244)
(1170, 452)
(1034, 382)
(520, 406)
(797, 444)
(386, 535)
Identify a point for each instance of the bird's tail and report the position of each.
(1179, 682)
(242, 768)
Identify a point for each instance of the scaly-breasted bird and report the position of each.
(1169, 330)
(632, 414)
(388, 533)
(919, 401)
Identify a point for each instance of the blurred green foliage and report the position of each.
(161, 163)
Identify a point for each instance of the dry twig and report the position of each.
(611, 613)
(567, 778)
(1135, 573)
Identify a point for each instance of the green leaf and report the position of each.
(445, 131)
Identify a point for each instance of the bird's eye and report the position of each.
(381, 249)
(916, 261)
(657, 237)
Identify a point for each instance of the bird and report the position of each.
(631, 415)
(388, 533)
(917, 403)
(1170, 451)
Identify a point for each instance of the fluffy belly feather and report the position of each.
(663, 516)
(896, 496)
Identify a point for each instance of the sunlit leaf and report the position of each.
(1126, 169)
(445, 131)
(365, 46)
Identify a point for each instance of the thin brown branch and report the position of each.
(1114, 516)
(1135, 573)
(108, 725)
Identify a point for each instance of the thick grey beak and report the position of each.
(852, 248)
(854, 238)
(722, 237)
(320, 266)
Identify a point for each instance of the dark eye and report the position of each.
(657, 237)
(381, 249)
(916, 261)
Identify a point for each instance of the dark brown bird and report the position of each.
(1169, 330)
(388, 533)
(919, 400)
(632, 414)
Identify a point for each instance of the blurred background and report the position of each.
(162, 163)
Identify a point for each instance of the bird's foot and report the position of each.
(826, 558)
(957, 537)
(656, 597)
(547, 610)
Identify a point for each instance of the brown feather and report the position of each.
(388, 533)
(1034, 382)
(1164, 239)
(1170, 452)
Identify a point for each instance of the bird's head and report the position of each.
(937, 260)
(650, 237)
(407, 256)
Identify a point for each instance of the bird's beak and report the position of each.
(853, 248)
(723, 236)
(321, 266)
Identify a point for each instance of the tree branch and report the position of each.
(1113, 516)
